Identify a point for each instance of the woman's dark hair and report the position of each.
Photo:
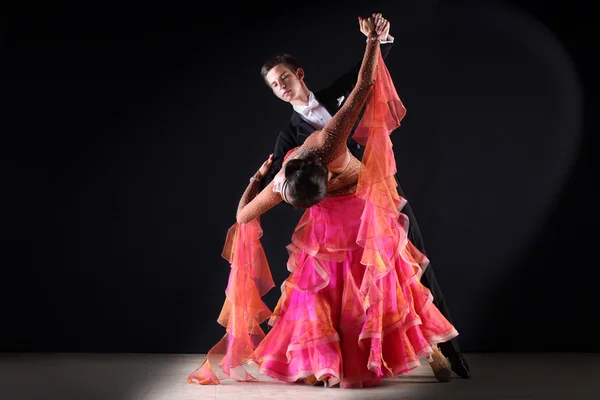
(305, 182)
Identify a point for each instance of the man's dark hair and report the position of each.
(285, 59)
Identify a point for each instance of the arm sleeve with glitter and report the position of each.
(252, 205)
(330, 142)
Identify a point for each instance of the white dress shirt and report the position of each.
(315, 113)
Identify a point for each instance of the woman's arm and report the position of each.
(330, 143)
(253, 204)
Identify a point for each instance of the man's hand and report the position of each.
(375, 22)
(382, 26)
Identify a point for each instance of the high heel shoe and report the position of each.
(439, 365)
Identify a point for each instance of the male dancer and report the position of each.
(311, 112)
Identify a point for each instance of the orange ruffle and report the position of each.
(243, 311)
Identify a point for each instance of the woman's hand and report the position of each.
(264, 168)
(367, 25)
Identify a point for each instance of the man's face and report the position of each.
(286, 84)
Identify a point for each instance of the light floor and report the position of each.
(564, 376)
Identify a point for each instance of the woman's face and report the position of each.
(279, 180)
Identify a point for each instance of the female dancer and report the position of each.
(353, 310)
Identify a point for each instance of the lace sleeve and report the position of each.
(252, 205)
(330, 142)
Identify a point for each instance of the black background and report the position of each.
(130, 132)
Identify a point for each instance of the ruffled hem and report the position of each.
(243, 310)
(398, 347)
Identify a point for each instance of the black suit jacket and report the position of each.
(297, 130)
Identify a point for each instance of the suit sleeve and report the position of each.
(283, 144)
(343, 85)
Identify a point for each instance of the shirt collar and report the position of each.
(312, 103)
